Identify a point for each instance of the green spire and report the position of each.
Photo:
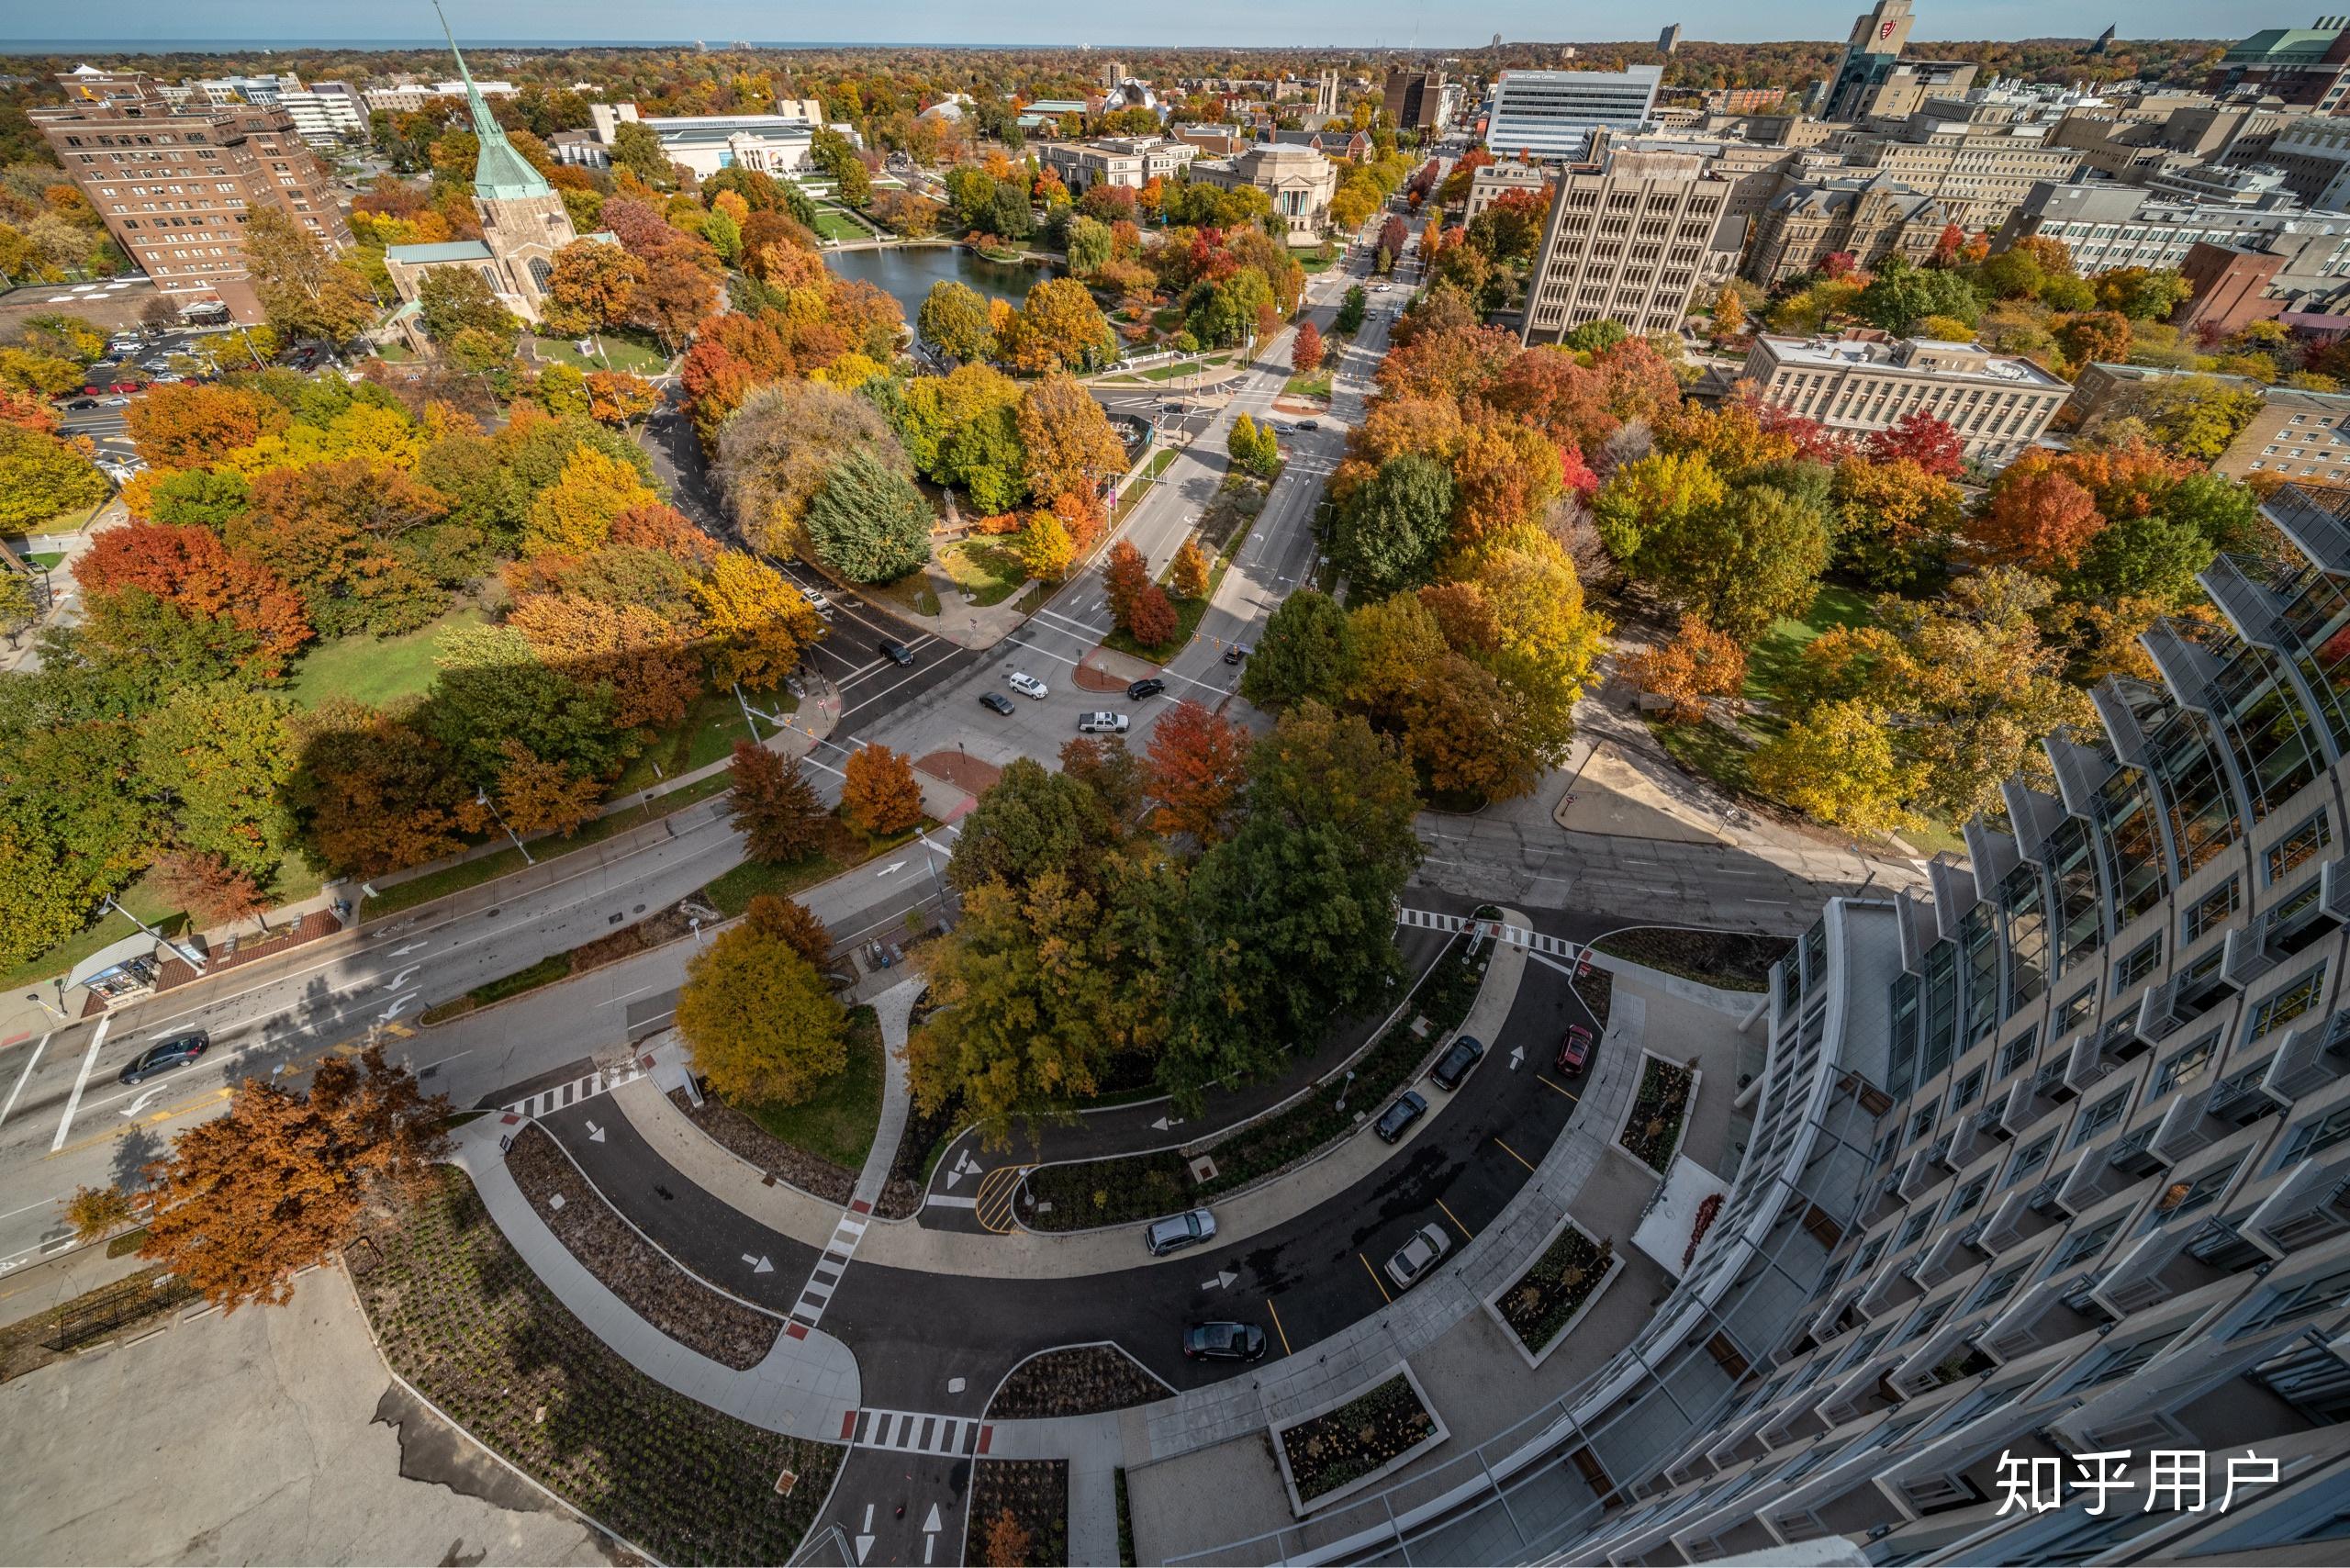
(500, 174)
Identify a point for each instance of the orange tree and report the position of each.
(879, 792)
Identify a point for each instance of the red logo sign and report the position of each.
(1886, 31)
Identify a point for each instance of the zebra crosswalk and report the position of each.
(600, 1082)
(1515, 936)
(907, 1431)
(826, 1278)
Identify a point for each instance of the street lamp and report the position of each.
(481, 797)
(45, 1006)
(186, 955)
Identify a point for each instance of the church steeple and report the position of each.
(500, 174)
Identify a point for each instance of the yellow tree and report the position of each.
(1059, 326)
(1045, 551)
(1068, 446)
(1729, 314)
(1189, 571)
(1836, 764)
(535, 795)
(757, 623)
(764, 1027)
(1698, 664)
(592, 287)
(575, 514)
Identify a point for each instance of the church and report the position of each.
(523, 222)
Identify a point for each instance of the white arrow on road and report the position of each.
(930, 1533)
(758, 1265)
(1165, 1122)
(141, 1104)
(399, 1004)
(400, 979)
(1222, 1281)
(864, 1545)
(595, 1133)
(1517, 1056)
(964, 1166)
(405, 949)
(890, 869)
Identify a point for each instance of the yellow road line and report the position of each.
(1466, 1234)
(1572, 1098)
(998, 1188)
(1514, 1154)
(1376, 1280)
(1277, 1327)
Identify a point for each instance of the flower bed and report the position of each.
(735, 1131)
(1652, 1130)
(1018, 1512)
(1081, 1380)
(461, 1317)
(1327, 1455)
(719, 1326)
(1732, 960)
(1561, 1284)
(1093, 1193)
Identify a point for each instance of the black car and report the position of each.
(177, 1051)
(1454, 1065)
(1224, 1342)
(1408, 1108)
(1148, 685)
(82, 403)
(1309, 424)
(995, 702)
(1236, 654)
(895, 653)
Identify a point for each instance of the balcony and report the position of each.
(2133, 1155)
(2086, 1065)
(2246, 956)
(2023, 1104)
(2093, 1179)
(2187, 1127)
(2012, 1222)
(1957, 1251)
(2137, 1280)
(1938, 1359)
(1924, 1169)
(2313, 1056)
(2050, 1082)
(2334, 890)
(2323, 536)
(2310, 1205)
(2248, 605)
(2026, 1325)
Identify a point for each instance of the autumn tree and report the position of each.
(1198, 763)
(1128, 575)
(1189, 571)
(96, 1212)
(1836, 764)
(1698, 664)
(304, 290)
(2039, 519)
(774, 807)
(1744, 563)
(759, 622)
(41, 478)
(1045, 549)
(1920, 437)
(1305, 651)
(191, 424)
(1006, 1545)
(1729, 315)
(1152, 621)
(537, 794)
(1894, 520)
(868, 522)
(614, 397)
(879, 792)
(1305, 348)
(764, 1027)
(1066, 444)
(780, 447)
(377, 795)
(794, 925)
(1059, 328)
(246, 1199)
(190, 569)
(575, 514)
(208, 886)
(591, 287)
(953, 320)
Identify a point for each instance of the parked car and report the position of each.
(1178, 1231)
(895, 653)
(177, 1051)
(81, 403)
(817, 602)
(1237, 654)
(1454, 1065)
(114, 402)
(1027, 685)
(1224, 1342)
(1415, 1260)
(1409, 1107)
(1103, 723)
(1148, 685)
(1574, 1051)
(995, 702)
(1309, 424)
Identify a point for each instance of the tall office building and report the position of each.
(1630, 241)
(1551, 114)
(1870, 56)
(1669, 39)
(2047, 1178)
(172, 180)
(1414, 100)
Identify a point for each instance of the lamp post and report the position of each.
(186, 955)
(45, 1006)
(481, 797)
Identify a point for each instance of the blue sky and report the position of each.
(1234, 22)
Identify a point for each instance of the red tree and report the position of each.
(1152, 621)
(1305, 353)
(1948, 243)
(2042, 520)
(190, 568)
(1924, 440)
(1198, 763)
(1837, 263)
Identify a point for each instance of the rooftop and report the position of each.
(1968, 361)
(444, 251)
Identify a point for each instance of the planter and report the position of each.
(1356, 1440)
(1659, 1114)
(1566, 1280)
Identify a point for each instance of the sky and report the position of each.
(1359, 23)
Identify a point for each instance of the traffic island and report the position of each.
(1566, 1280)
(1075, 1380)
(1018, 1514)
(1349, 1444)
(1659, 1108)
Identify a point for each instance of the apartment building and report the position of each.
(1551, 114)
(1416, 101)
(326, 111)
(1632, 240)
(173, 181)
(1493, 181)
(2303, 435)
(407, 97)
(1979, 165)
(1859, 383)
(2306, 67)
(2106, 226)
(2055, 1164)
(2313, 154)
(1809, 220)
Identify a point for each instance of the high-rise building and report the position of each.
(1326, 93)
(1551, 114)
(2306, 67)
(1113, 72)
(1669, 39)
(1630, 241)
(172, 180)
(1414, 100)
(1870, 56)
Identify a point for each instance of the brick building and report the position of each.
(1808, 222)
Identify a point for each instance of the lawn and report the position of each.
(1183, 367)
(375, 670)
(296, 878)
(986, 566)
(626, 350)
(839, 1121)
(1778, 652)
(708, 733)
(911, 593)
(834, 223)
(1314, 386)
(46, 560)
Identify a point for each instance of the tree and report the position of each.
(1698, 664)
(1007, 1545)
(1046, 551)
(1353, 305)
(2099, 337)
(759, 621)
(591, 287)
(1305, 348)
(455, 300)
(1127, 574)
(575, 514)
(1089, 245)
(246, 1199)
(868, 522)
(2038, 518)
(878, 791)
(1189, 570)
(1058, 328)
(190, 569)
(614, 397)
(41, 476)
(764, 1027)
(18, 607)
(1922, 438)
(208, 886)
(953, 320)
(1743, 563)
(304, 290)
(96, 1212)
(1836, 764)
(1031, 821)
(636, 147)
(780, 447)
(1066, 444)
(2196, 417)
(2142, 294)
(1152, 621)
(1390, 531)
(377, 796)
(1305, 652)
(1198, 763)
(536, 794)
(1729, 315)
(793, 924)
(191, 424)
(774, 807)
(1894, 520)
(1650, 495)
(223, 755)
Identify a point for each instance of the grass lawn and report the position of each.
(986, 566)
(1169, 320)
(707, 733)
(375, 670)
(834, 223)
(46, 560)
(1314, 386)
(910, 593)
(69, 521)
(838, 1122)
(296, 878)
(1183, 367)
(1778, 652)
(1141, 488)
(638, 356)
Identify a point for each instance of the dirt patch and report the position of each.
(1731, 960)
(960, 769)
(654, 930)
(1285, 404)
(1084, 1380)
(630, 1267)
(1018, 1512)
(738, 1133)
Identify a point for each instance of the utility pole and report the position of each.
(481, 797)
(186, 955)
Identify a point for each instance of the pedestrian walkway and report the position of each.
(1514, 935)
(902, 1431)
(893, 1009)
(548, 1100)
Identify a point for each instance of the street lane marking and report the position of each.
(1513, 1154)
(1572, 1098)
(1466, 1233)
(1376, 1281)
(73, 1103)
(30, 1062)
(998, 1188)
(1277, 1327)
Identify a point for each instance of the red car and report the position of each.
(1574, 1051)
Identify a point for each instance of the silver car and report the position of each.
(1178, 1231)
(1418, 1258)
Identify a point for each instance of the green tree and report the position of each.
(305, 291)
(1089, 246)
(1352, 308)
(868, 522)
(636, 147)
(1743, 563)
(1836, 764)
(1391, 529)
(454, 301)
(225, 759)
(953, 320)
(1307, 652)
(1653, 495)
(764, 1027)
(1029, 821)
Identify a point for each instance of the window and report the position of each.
(1963, 1200)
(2297, 845)
(1922, 1124)
(2017, 1052)
(2029, 1159)
(2100, 1116)
(2183, 1066)
(1916, 1228)
(2210, 910)
(2315, 1137)
(1995, 1287)
(2087, 1244)
(2138, 963)
(1968, 1088)
(2075, 1010)
(2181, 1198)
(2279, 1008)
(2300, 1300)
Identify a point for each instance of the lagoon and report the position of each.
(906, 272)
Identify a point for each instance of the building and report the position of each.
(1979, 161)
(2301, 436)
(1326, 93)
(1551, 114)
(523, 223)
(1631, 240)
(1338, 142)
(1129, 161)
(2106, 226)
(1669, 40)
(173, 181)
(1300, 181)
(2312, 153)
(1046, 112)
(326, 111)
(1905, 89)
(773, 144)
(1811, 219)
(1870, 56)
(1415, 101)
(1997, 405)
(1492, 181)
(2305, 67)
(407, 97)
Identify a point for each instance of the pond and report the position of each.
(905, 273)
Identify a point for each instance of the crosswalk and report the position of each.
(1517, 936)
(826, 1278)
(600, 1082)
(907, 1431)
